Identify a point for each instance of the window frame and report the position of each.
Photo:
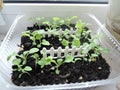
(63, 2)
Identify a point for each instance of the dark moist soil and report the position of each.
(80, 71)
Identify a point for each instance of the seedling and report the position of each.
(20, 61)
(37, 20)
(37, 35)
(21, 68)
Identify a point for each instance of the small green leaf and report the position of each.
(59, 61)
(36, 56)
(27, 68)
(16, 61)
(10, 56)
(79, 27)
(66, 31)
(48, 60)
(93, 45)
(41, 63)
(69, 58)
(24, 53)
(61, 22)
(57, 71)
(25, 34)
(39, 45)
(65, 42)
(85, 59)
(40, 31)
(74, 17)
(33, 50)
(56, 19)
(34, 43)
(38, 36)
(45, 42)
(76, 59)
(20, 75)
(94, 55)
(46, 23)
(32, 38)
(84, 51)
(56, 32)
(43, 52)
(76, 42)
(39, 18)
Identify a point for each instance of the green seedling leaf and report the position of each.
(95, 37)
(59, 61)
(40, 31)
(43, 52)
(56, 19)
(66, 33)
(46, 23)
(65, 42)
(33, 50)
(76, 42)
(26, 33)
(16, 62)
(39, 18)
(93, 45)
(76, 59)
(39, 45)
(27, 68)
(55, 32)
(38, 36)
(61, 22)
(48, 60)
(79, 27)
(32, 38)
(45, 42)
(69, 58)
(57, 71)
(74, 17)
(36, 56)
(94, 55)
(24, 53)
(84, 51)
(41, 63)
(34, 43)
(10, 56)
(85, 59)
(89, 31)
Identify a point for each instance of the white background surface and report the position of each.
(11, 10)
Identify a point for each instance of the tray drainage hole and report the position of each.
(62, 54)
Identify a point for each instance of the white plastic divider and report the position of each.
(61, 53)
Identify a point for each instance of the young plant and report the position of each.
(36, 20)
(37, 35)
(68, 20)
(21, 68)
(55, 23)
(20, 61)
